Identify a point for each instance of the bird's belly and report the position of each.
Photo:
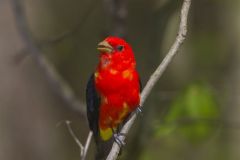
(111, 117)
(115, 108)
(120, 95)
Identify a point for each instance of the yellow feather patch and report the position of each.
(127, 74)
(96, 74)
(123, 113)
(113, 71)
(106, 134)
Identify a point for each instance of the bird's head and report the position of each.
(115, 52)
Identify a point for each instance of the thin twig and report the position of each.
(83, 149)
(157, 74)
(80, 145)
(87, 145)
(56, 81)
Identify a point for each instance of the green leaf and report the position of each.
(193, 114)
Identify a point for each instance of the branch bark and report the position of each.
(182, 32)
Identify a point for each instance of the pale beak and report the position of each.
(104, 47)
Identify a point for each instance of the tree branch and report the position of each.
(56, 81)
(157, 74)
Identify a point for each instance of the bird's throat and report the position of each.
(105, 61)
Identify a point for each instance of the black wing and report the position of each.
(93, 103)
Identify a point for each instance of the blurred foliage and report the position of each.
(181, 116)
(192, 114)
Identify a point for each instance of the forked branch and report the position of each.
(82, 148)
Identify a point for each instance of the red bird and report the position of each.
(113, 92)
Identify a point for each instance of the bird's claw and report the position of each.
(118, 140)
(139, 110)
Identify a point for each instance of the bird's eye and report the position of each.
(119, 48)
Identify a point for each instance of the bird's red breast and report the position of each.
(117, 82)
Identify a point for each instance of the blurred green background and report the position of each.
(192, 113)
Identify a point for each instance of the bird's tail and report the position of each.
(103, 148)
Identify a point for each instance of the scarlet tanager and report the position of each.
(113, 92)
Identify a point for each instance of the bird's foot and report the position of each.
(139, 110)
(118, 140)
